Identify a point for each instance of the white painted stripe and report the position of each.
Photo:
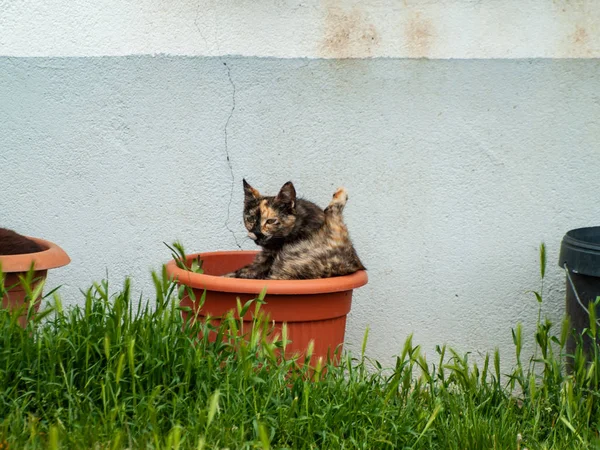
(303, 28)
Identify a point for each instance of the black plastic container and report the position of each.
(580, 252)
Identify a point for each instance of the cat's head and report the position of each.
(269, 220)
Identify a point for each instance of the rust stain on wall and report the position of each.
(419, 34)
(580, 36)
(580, 28)
(579, 43)
(347, 33)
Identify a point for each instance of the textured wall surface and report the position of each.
(458, 165)
(456, 170)
(303, 28)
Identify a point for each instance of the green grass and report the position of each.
(111, 374)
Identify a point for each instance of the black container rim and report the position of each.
(580, 251)
(574, 237)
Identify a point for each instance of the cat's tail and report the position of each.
(336, 206)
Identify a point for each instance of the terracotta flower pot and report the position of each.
(14, 265)
(313, 309)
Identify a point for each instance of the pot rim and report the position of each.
(51, 258)
(276, 287)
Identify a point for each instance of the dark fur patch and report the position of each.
(299, 240)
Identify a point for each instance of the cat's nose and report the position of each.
(252, 236)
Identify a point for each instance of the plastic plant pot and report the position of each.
(15, 267)
(314, 310)
(580, 258)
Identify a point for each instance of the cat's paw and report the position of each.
(229, 275)
(340, 197)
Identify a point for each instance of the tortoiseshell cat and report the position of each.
(299, 240)
(12, 243)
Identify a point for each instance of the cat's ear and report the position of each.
(249, 192)
(287, 195)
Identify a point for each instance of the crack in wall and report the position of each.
(226, 134)
(233, 98)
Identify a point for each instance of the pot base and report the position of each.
(16, 296)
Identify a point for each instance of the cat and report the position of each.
(12, 243)
(299, 240)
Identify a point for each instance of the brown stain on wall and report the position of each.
(579, 28)
(580, 40)
(347, 33)
(580, 36)
(419, 34)
(579, 43)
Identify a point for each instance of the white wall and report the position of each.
(303, 28)
(457, 169)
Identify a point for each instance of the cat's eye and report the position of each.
(271, 221)
(249, 219)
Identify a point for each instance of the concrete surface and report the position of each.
(303, 28)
